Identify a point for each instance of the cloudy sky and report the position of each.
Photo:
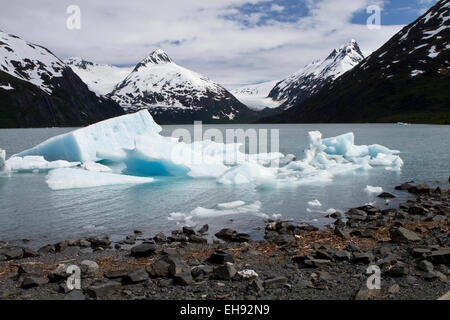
(234, 42)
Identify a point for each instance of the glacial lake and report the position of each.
(30, 210)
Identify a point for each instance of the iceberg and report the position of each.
(372, 189)
(108, 137)
(68, 178)
(134, 141)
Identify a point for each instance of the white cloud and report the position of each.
(276, 7)
(194, 33)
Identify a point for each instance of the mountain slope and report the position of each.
(406, 80)
(38, 90)
(174, 94)
(310, 79)
(100, 78)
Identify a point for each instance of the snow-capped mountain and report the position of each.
(406, 80)
(256, 96)
(173, 93)
(37, 89)
(310, 79)
(100, 78)
(29, 62)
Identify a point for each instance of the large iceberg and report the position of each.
(134, 141)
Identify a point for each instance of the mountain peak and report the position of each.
(159, 56)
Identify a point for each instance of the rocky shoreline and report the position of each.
(410, 245)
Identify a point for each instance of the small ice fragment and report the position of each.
(314, 203)
(94, 166)
(230, 205)
(371, 189)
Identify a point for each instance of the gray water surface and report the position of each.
(29, 209)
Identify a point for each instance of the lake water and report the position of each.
(29, 209)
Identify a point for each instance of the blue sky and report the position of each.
(234, 42)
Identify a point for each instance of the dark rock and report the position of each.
(184, 278)
(58, 274)
(3, 258)
(366, 294)
(363, 257)
(275, 282)
(224, 272)
(405, 186)
(89, 268)
(283, 239)
(420, 252)
(203, 229)
(339, 223)
(226, 234)
(399, 269)
(341, 255)
(61, 246)
(29, 253)
(197, 239)
(221, 257)
(425, 265)
(116, 274)
(11, 253)
(256, 285)
(241, 237)
(188, 231)
(143, 250)
(102, 289)
(159, 269)
(24, 269)
(441, 256)
(99, 243)
(201, 271)
(416, 210)
(386, 195)
(75, 295)
(160, 237)
(137, 232)
(307, 227)
(321, 254)
(341, 233)
(420, 189)
(403, 235)
(136, 276)
(30, 281)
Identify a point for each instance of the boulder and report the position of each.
(29, 253)
(224, 272)
(102, 289)
(221, 257)
(89, 268)
(143, 250)
(403, 235)
(203, 229)
(188, 231)
(386, 195)
(12, 253)
(159, 269)
(31, 281)
(136, 276)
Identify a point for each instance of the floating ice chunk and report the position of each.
(314, 203)
(371, 189)
(67, 178)
(231, 205)
(33, 163)
(246, 173)
(94, 166)
(109, 137)
(205, 212)
(2, 158)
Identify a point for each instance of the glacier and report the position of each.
(134, 141)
